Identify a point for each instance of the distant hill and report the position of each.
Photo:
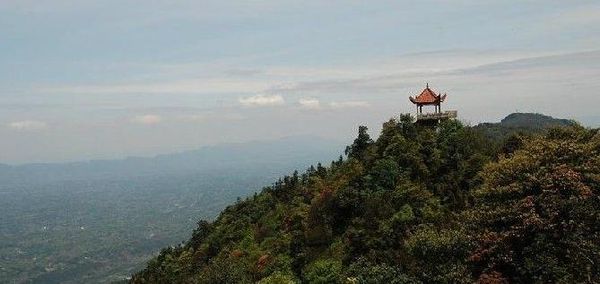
(521, 123)
(534, 120)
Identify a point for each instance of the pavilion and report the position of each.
(429, 98)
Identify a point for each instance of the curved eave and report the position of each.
(423, 103)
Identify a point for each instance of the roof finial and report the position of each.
(427, 85)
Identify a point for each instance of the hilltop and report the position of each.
(521, 123)
(509, 202)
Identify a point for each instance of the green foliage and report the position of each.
(385, 174)
(364, 272)
(323, 272)
(439, 254)
(222, 270)
(536, 215)
(419, 205)
(358, 149)
(278, 278)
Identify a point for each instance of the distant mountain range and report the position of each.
(269, 155)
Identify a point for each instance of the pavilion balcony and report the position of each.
(437, 115)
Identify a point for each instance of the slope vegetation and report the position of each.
(418, 205)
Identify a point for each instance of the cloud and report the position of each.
(309, 103)
(348, 104)
(147, 119)
(27, 125)
(262, 100)
(187, 86)
(315, 104)
(366, 76)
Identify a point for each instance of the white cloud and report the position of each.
(147, 119)
(309, 81)
(262, 100)
(348, 104)
(188, 86)
(27, 125)
(315, 104)
(309, 103)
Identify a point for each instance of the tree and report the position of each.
(537, 214)
(358, 149)
(324, 272)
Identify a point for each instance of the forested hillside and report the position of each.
(418, 205)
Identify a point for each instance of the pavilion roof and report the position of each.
(427, 97)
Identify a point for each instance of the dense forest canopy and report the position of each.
(451, 204)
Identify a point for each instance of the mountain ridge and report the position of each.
(204, 159)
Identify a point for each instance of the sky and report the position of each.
(109, 79)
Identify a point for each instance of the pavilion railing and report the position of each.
(440, 115)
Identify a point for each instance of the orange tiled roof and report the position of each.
(427, 97)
